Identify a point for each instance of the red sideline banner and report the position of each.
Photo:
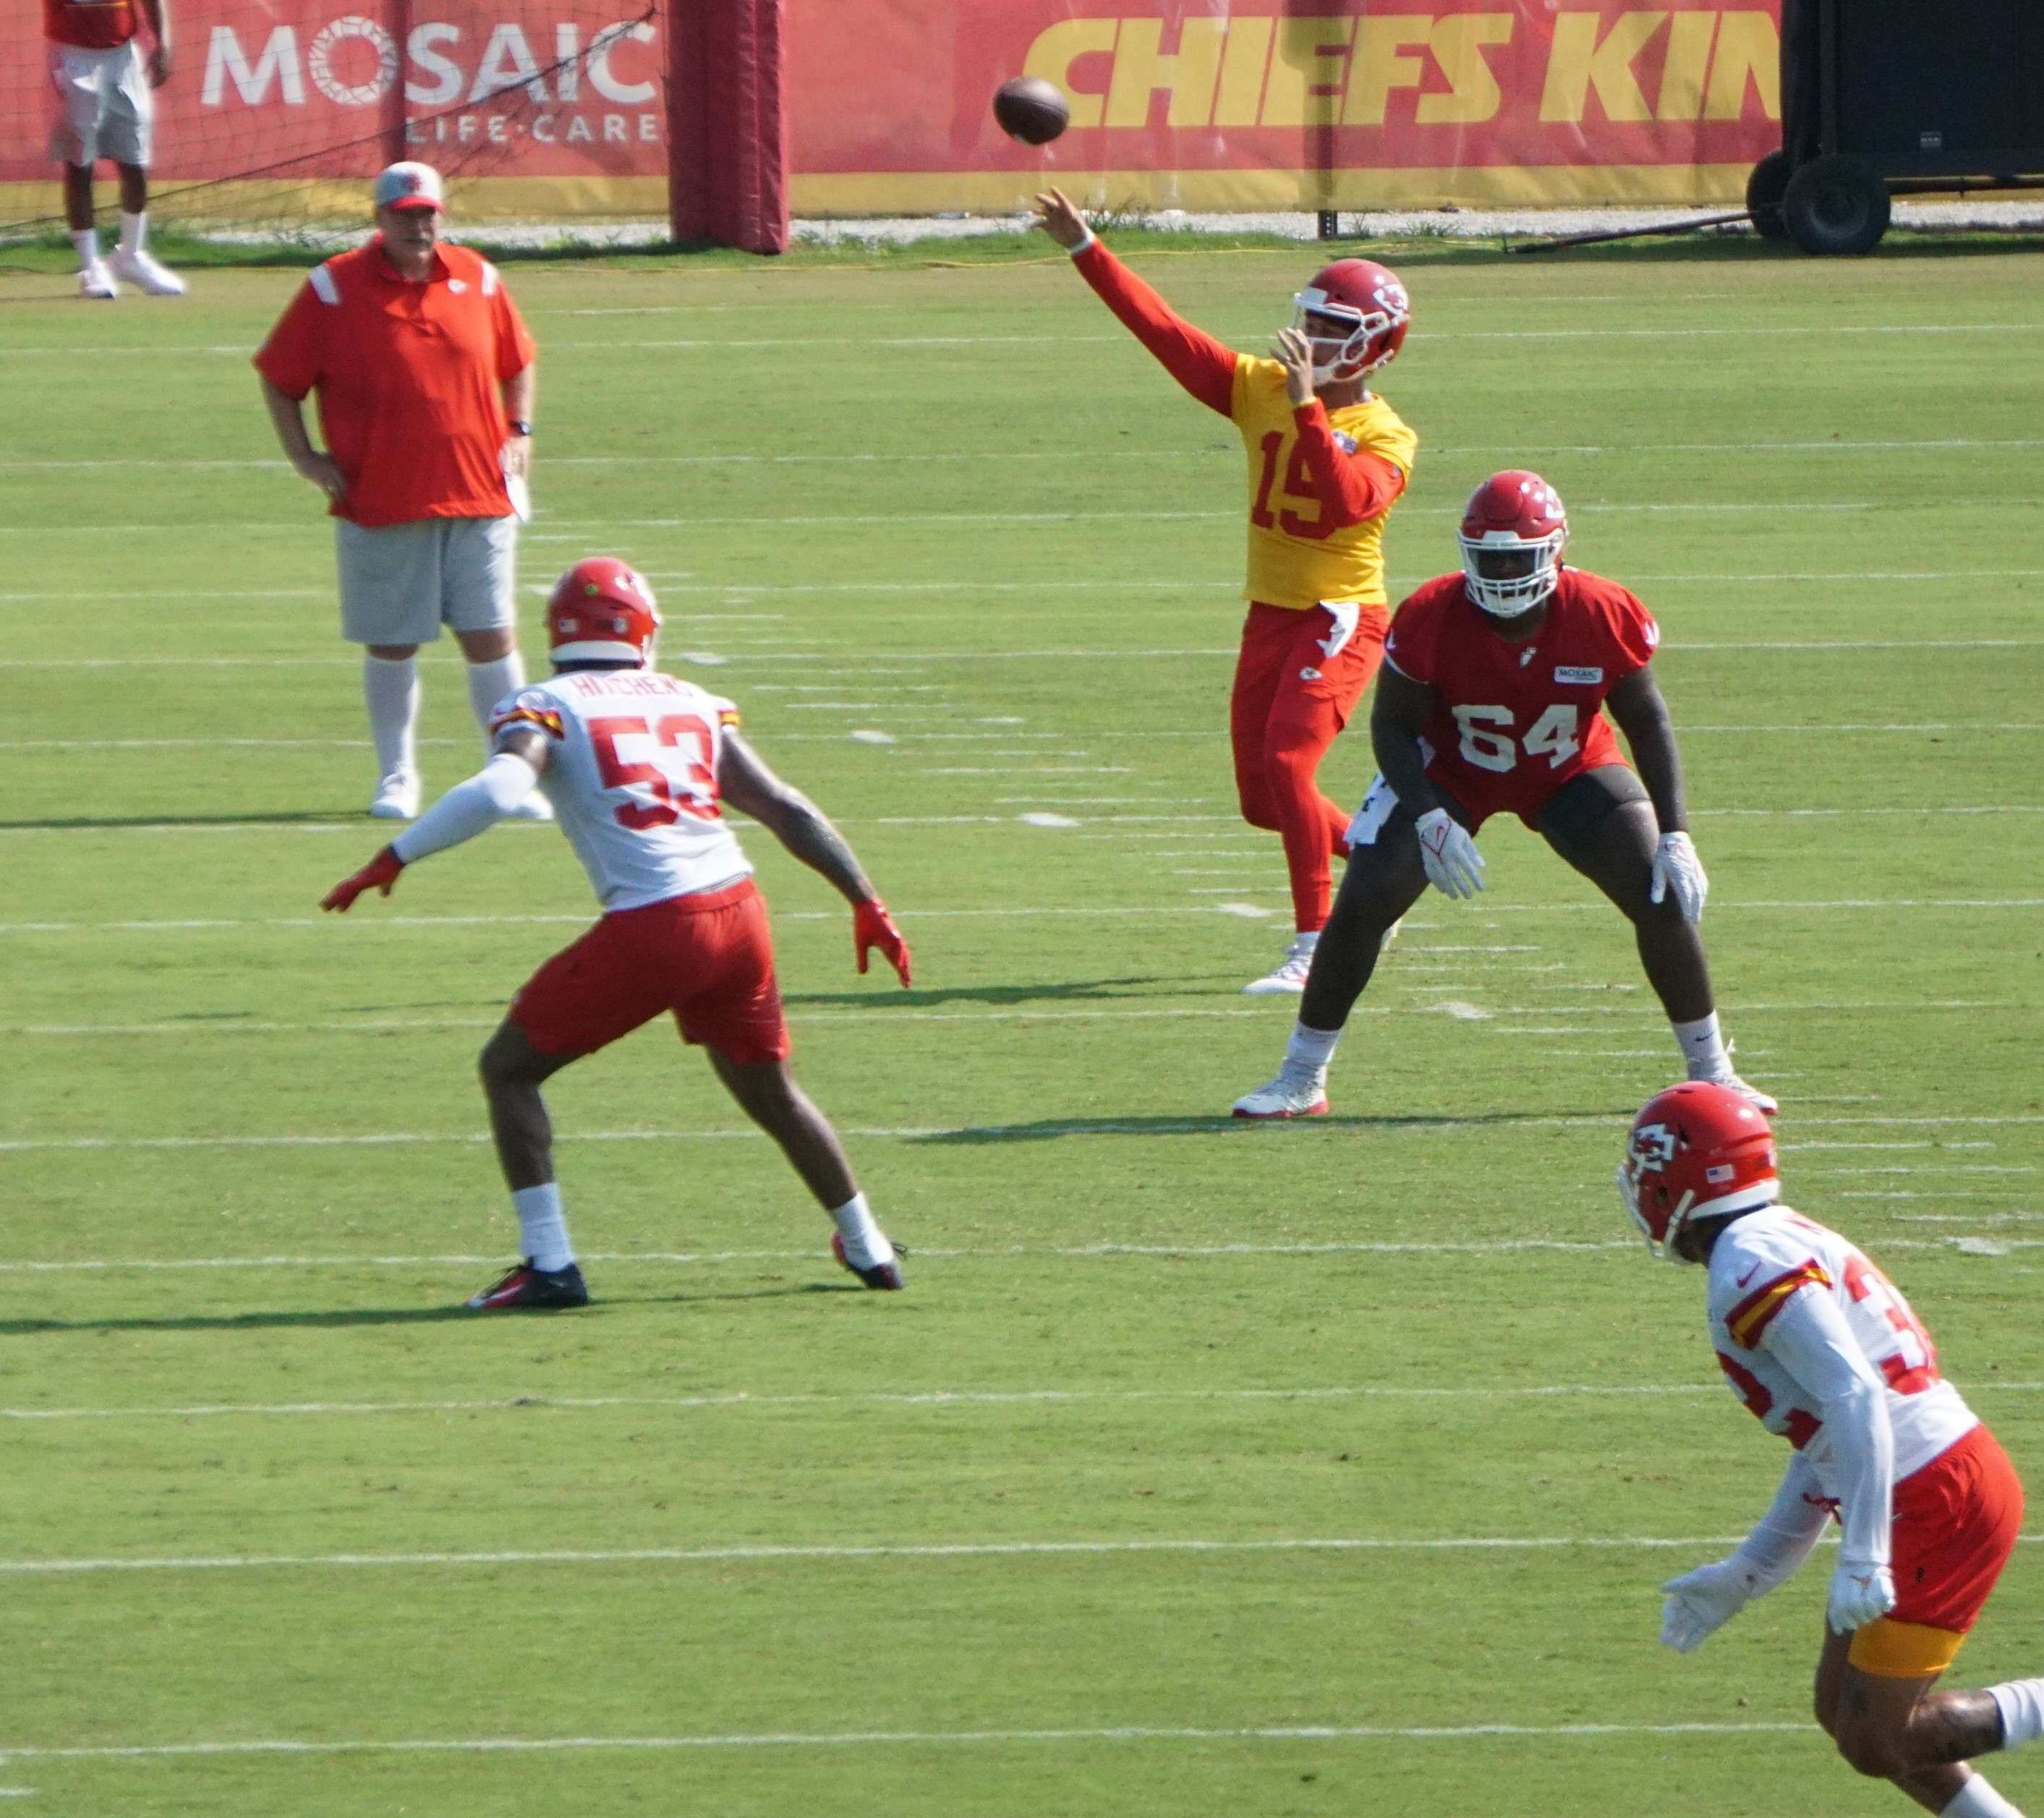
(1283, 103)
(547, 89)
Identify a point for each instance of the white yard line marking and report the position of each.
(792, 1554)
(892, 1738)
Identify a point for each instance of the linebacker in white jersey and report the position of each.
(1822, 1346)
(635, 763)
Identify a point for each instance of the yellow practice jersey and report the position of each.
(1292, 561)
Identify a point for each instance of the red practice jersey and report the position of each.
(1512, 722)
(89, 25)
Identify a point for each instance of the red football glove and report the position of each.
(379, 873)
(872, 926)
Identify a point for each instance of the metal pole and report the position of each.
(1329, 225)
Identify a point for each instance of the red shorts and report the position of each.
(1956, 1523)
(709, 958)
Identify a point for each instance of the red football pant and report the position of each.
(707, 958)
(1290, 700)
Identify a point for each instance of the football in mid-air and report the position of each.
(1031, 110)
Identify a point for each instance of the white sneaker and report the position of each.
(1289, 978)
(1292, 1094)
(1761, 1101)
(147, 276)
(535, 808)
(96, 282)
(397, 798)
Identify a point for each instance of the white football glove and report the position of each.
(1676, 868)
(1860, 1590)
(1701, 1602)
(1454, 864)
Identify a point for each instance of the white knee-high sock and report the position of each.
(86, 240)
(489, 683)
(1309, 1050)
(1978, 1799)
(541, 1229)
(391, 690)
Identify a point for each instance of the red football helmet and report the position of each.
(602, 610)
(1512, 512)
(1369, 301)
(1696, 1151)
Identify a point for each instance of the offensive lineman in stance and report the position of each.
(1490, 701)
(1822, 1346)
(1327, 460)
(636, 763)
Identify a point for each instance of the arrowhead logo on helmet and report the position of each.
(1696, 1150)
(1512, 533)
(1364, 306)
(602, 610)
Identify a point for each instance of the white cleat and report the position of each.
(96, 283)
(535, 808)
(149, 278)
(397, 798)
(1289, 980)
(1291, 1094)
(1761, 1101)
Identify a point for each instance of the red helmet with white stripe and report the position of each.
(1696, 1151)
(602, 610)
(1368, 303)
(1512, 534)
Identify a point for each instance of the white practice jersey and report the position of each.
(632, 779)
(1760, 1263)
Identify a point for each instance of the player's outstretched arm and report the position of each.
(801, 826)
(1701, 1602)
(1636, 704)
(465, 810)
(1810, 1339)
(1202, 365)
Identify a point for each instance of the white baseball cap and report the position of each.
(409, 185)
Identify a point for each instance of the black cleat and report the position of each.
(887, 1275)
(527, 1289)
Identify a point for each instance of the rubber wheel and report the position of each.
(1764, 188)
(1835, 205)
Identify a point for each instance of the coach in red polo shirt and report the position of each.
(424, 378)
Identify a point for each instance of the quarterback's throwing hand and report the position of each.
(379, 873)
(1861, 1591)
(1057, 216)
(1701, 1602)
(1677, 869)
(1454, 864)
(872, 926)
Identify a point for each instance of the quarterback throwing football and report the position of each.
(637, 764)
(1327, 460)
(1819, 1344)
(1491, 701)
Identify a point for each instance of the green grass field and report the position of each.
(1206, 1468)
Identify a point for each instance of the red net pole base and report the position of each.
(727, 124)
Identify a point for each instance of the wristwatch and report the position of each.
(520, 426)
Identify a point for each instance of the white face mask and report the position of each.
(1347, 357)
(1507, 599)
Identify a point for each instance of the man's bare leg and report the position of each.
(78, 197)
(1901, 1730)
(768, 1095)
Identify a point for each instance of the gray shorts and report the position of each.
(106, 110)
(400, 583)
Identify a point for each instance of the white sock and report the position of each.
(1978, 1799)
(1703, 1048)
(1311, 1050)
(86, 240)
(132, 228)
(864, 1242)
(541, 1230)
(489, 683)
(391, 689)
(1305, 940)
(2021, 1703)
